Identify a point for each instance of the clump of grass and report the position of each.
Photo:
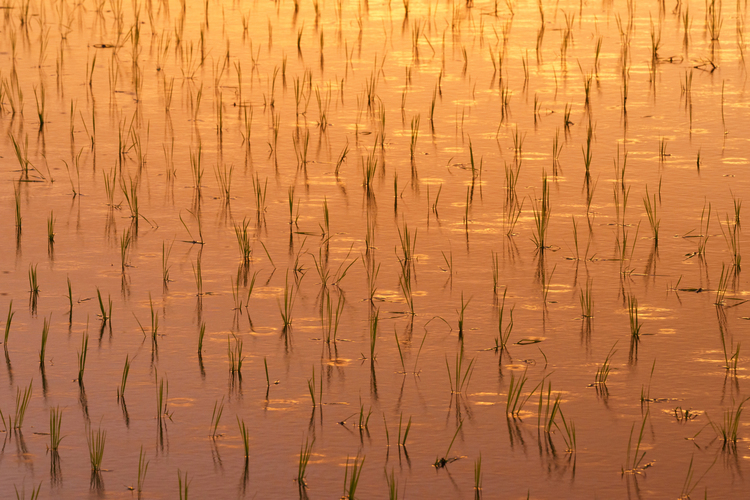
(541, 211)
(478, 473)
(445, 460)
(22, 494)
(33, 281)
(45, 335)
(351, 480)
(728, 428)
(305, 453)
(124, 380)
(633, 465)
(245, 435)
(183, 485)
(459, 379)
(8, 321)
(22, 404)
(216, 417)
(635, 324)
(402, 436)
(243, 240)
(95, 441)
(515, 399)
(162, 400)
(721, 287)
(311, 386)
(105, 312)
(235, 355)
(602, 373)
(650, 205)
(82, 356)
(503, 334)
(142, 470)
(55, 424)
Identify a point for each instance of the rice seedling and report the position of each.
(192, 240)
(369, 168)
(124, 379)
(332, 316)
(196, 169)
(40, 99)
(516, 399)
(569, 433)
(635, 324)
(689, 485)
(142, 470)
(732, 238)
(162, 399)
(245, 435)
(459, 379)
(602, 373)
(105, 312)
(633, 466)
(45, 335)
(551, 409)
(198, 275)
(95, 441)
(82, 356)
(478, 473)
(165, 251)
(541, 211)
(650, 204)
(183, 485)
(402, 436)
(311, 387)
(55, 425)
(234, 354)
(125, 241)
(305, 453)
(445, 460)
(392, 486)
(216, 417)
(224, 178)
(243, 239)
(721, 287)
(351, 480)
(414, 135)
(286, 309)
(34, 492)
(728, 428)
(33, 282)
(259, 195)
(129, 190)
(714, 19)
(8, 321)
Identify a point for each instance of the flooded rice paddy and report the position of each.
(373, 250)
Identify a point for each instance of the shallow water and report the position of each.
(362, 78)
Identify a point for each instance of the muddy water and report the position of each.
(165, 114)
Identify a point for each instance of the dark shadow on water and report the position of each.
(96, 483)
(83, 401)
(8, 366)
(55, 471)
